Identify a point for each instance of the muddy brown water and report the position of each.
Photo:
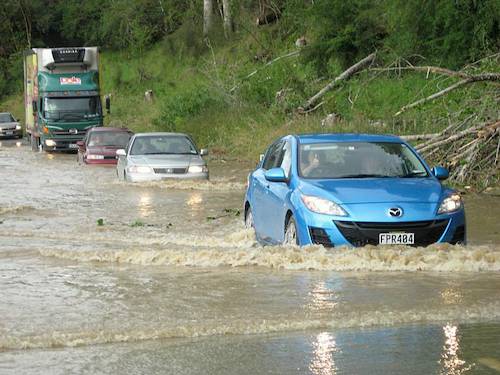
(172, 283)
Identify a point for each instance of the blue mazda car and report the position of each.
(350, 190)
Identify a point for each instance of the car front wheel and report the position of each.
(291, 237)
(249, 218)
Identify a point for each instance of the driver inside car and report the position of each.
(312, 162)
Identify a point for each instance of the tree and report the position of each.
(207, 17)
(228, 19)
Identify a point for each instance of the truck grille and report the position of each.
(170, 170)
(367, 233)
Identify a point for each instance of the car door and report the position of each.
(277, 192)
(262, 218)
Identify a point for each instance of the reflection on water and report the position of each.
(322, 362)
(18, 144)
(450, 360)
(194, 201)
(322, 298)
(144, 205)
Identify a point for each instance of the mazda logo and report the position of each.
(395, 212)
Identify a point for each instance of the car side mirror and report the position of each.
(261, 157)
(121, 152)
(275, 175)
(34, 107)
(107, 103)
(80, 144)
(203, 152)
(440, 173)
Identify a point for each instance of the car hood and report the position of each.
(8, 125)
(375, 190)
(167, 160)
(103, 149)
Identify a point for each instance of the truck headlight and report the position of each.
(50, 143)
(451, 203)
(139, 169)
(322, 206)
(197, 169)
(95, 157)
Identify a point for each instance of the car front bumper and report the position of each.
(331, 231)
(11, 132)
(143, 177)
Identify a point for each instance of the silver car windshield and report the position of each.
(359, 160)
(6, 117)
(151, 145)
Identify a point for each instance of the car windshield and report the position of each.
(150, 145)
(72, 108)
(6, 117)
(359, 160)
(109, 138)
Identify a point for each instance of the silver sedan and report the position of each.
(157, 156)
(9, 126)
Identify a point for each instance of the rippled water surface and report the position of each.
(171, 282)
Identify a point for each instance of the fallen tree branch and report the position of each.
(471, 79)
(418, 137)
(426, 69)
(294, 53)
(360, 65)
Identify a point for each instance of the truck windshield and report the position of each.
(6, 117)
(71, 109)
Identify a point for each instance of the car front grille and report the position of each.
(170, 170)
(367, 233)
(320, 237)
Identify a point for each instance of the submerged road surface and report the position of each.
(102, 277)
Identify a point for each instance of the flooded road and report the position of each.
(102, 277)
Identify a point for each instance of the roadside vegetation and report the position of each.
(236, 88)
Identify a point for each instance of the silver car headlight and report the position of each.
(451, 203)
(18, 127)
(139, 169)
(197, 169)
(322, 206)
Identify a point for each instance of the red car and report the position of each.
(100, 144)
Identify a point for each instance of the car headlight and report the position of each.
(197, 169)
(18, 127)
(322, 206)
(451, 203)
(139, 169)
(50, 143)
(95, 157)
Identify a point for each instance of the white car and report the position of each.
(157, 156)
(9, 126)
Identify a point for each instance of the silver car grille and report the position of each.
(170, 170)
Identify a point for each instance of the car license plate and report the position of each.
(9, 133)
(73, 145)
(396, 238)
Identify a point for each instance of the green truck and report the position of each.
(62, 96)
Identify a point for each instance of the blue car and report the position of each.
(350, 190)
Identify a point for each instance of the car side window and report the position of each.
(272, 156)
(286, 158)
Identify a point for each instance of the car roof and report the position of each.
(109, 129)
(161, 134)
(5, 113)
(346, 137)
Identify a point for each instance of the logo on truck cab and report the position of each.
(70, 81)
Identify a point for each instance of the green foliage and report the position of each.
(178, 108)
(100, 222)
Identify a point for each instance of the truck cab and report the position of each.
(62, 96)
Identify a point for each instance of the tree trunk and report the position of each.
(207, 17)
(228, 18)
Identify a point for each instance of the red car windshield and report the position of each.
(112, 138)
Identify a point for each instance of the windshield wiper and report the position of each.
(415, 174)
(365, 176)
